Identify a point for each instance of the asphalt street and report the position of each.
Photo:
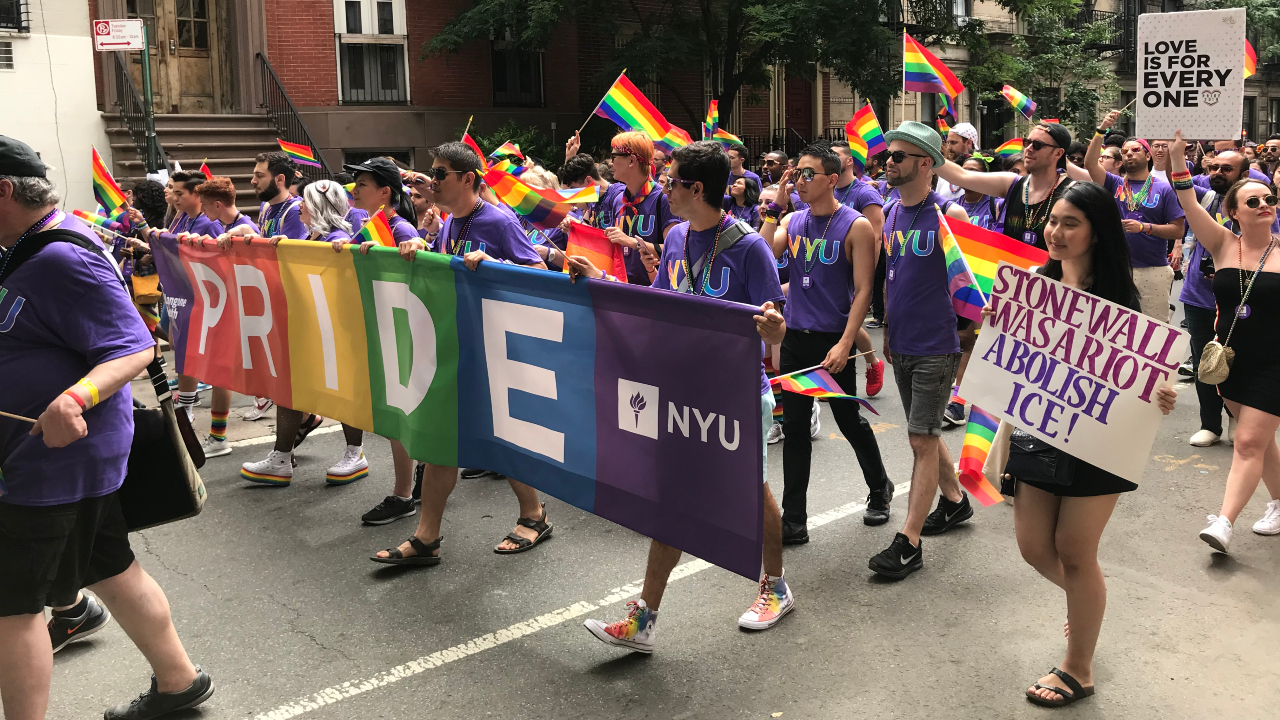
(273, 594)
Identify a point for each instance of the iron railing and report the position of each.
(15, 16)
(133, 112)
(1113, 22)
(284, 116)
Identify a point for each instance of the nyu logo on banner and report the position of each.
(639, 407)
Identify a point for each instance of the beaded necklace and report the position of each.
(1038, 213)
(1132, 199)
(709, 256)
(811, 257)
(893, 226)
(30, 231)
(457, 244)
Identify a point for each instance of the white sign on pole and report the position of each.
(117, 35)
(1074, 370)
(1191, 74)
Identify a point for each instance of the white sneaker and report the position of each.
(1218, 534)
(1231, 431)
(259, 409)
(1270, 522)
(815, 424)
(774, 601)
(775, 434)
(1204, 438)
(215, 447)
(352, 467)
(276, 470)
(637, 632)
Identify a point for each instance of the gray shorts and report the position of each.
(924, 382)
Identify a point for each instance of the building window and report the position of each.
(386, 22)
(517, 76)
(372, 51)
(6, 55)
(1250, 117)
(13, 15)
(1275, 116)
(355, 26)
(193, 24)
(996, 114)
(144, 10)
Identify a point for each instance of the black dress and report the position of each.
(1254, 379)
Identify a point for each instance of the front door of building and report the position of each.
(185, 62)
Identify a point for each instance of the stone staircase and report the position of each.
(228, 143)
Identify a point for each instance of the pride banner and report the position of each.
(636, 405)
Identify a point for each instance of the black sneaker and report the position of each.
(947, 515)
(152, 704)
(794, 533)
(953, 416)
(877, 512)
(898, 560)
(64, 630)
(416, 495)
(391, 508)
(472, 473)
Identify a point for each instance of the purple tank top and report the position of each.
(821, 289)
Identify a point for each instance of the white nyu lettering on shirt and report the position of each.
(505, 375)
(388, 296)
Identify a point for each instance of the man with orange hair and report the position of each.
(633, 212)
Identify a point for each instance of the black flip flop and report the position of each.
(522, 543)
(1072, 692)
(423, 558)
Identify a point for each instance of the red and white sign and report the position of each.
(117, 35)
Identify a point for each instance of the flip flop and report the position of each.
(423, 558)
(539, 526)
(1072, 692)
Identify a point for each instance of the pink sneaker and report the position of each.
(775, 600)
(875, 377)
(637, 632)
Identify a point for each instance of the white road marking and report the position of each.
(337, 693)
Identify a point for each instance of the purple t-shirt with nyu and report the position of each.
(493, 232)
(1158, 208)
(984, 212)
(858, 195)
(51, 335)
(651, 217)
(744, 273)
(283, 218)
(918, 306)
(821, 290)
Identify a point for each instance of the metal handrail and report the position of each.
(284, 116)
(133, 112)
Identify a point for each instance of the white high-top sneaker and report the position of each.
(352, 467)
(277, 469)
(1218, 534)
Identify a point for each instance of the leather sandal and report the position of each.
(1072, 692)
(421, 558)
(309, 423)
(522, 544)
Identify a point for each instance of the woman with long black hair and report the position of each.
(743, 201)
(1058, 526)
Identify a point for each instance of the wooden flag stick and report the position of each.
(468, 128)
(17, 417)
(1131, 102)
(815, 367)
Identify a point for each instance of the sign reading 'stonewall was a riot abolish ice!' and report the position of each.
(1075, 370)
(1191, 74)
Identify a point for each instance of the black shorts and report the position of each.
(48, 553)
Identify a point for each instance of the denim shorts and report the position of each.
(924, 382)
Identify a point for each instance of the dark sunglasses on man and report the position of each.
(900, 156)
(1255, 202)
(808, 174)
(439, 174)
(1037, 145)
(1220, 168)
(666, 182)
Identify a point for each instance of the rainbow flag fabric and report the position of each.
(943, 127)
(507, 165)
(376, 230)
(1010, 148)
(543, 211)
(983, 250)
(594, 245)
(817, 383)
(204, 169)
(466, 138)
(1250, 60)
(966, 298)
(712, 123)
(948, 106)
(725, 138)
(1020, 102)
(301, 154)
(105, 189)
(675, 137)
(508, 149)
(864, 135)
(922, 72)
(578, 195)
(100, 221)
(978, 436)
(627, 107)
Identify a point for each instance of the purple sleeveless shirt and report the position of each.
(821, 288)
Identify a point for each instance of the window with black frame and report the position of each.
(13, 15)
(517, 76)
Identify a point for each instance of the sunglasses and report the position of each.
(439, 174)
(808, 174)
(620, 153)
(1222, 168)
(666, 181)
(1255, 202)
(900, 156)
(1037, 145)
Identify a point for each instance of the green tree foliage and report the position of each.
(1261, 16)
(533, 143)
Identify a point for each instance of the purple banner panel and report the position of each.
(179, 297)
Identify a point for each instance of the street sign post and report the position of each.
(125, 35)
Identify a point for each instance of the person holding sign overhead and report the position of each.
(1058, 526)
(1247, 288)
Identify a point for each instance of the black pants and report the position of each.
(877, 289)
(801, 350)
(1200, 326)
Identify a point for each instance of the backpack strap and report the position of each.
(728, 237)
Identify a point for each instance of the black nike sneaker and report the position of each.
(64, 630)
(898, 560)
(877, 512)
(947, 515)
(153, 704)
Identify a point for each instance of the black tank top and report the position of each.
(1016, 213)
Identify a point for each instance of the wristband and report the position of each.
(771, 218)
(87, 384)
(1099, 131)
(551, 254)
(1183, 184)
(76, 397)
(774, 208)
(1180, 175)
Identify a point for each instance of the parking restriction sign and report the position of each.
(117, 35)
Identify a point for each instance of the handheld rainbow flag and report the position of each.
(864, 135)
(543, 211)
(507, 165)
(105, 189)
(712, 123)
(301, 154)
(1020, 102)
(983, 250)
(966, 298)
(593, 244)
(725, 138)
(1010, 148)
(948, 106)
(1051, 121)
(508, 149)
(579, 195)
(376, 230)
(204, 169)
(922, 72)
(978, 436)
(675, 137)
(98, 220)
(1250, 60)
(818, 383)
(943, 128)
(466, 138)
(351, 192)
(627, 107)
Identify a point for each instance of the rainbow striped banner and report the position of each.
(301, 154)
(922, 72)
(817, 383)
(864, 135)
(508, 149)
(100, 221)
(966, 298)
(978, 436)
(517, 370)
(544, 209)
(1250, 60)
(105, 189)
(1010, 148)
(983, 250)
(1020, 102)
(376, 230)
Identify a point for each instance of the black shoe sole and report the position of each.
(956, 520)
(795, 539)
(900, 573)
(875, 517)
(84, 633)
(385, 521)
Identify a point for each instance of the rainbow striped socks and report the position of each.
(218, 425)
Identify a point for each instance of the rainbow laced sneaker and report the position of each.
(774, 601)
(637, 632)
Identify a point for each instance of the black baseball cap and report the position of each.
(385, 172)
(17, 159)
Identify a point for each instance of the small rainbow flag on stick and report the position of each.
(978, 436)
(816, 382)
(98, 220)
(725, 138)
(543, 211)
(627, 107)
(301, 154)
(376, 230)
(712, 123)
(1010, 148)
(864, 135)
(594, 245)
(922, 72)
(984, 250)
(508, 149)
(966, 298)
(105, 189)
(943, 128)
(1020, 102)
(466, 138)
(947, 106)
(204, 169)
(1250, 59)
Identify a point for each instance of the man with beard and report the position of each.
(1152, 216)
(957, 147)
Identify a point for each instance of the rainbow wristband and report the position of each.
(87, 384)
(76, 397)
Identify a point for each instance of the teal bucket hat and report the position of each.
(920, 135)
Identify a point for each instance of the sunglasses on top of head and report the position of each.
(1037, 145)
(1256, 201)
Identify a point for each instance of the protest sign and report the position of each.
(1191, 74)
(1074, 370)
